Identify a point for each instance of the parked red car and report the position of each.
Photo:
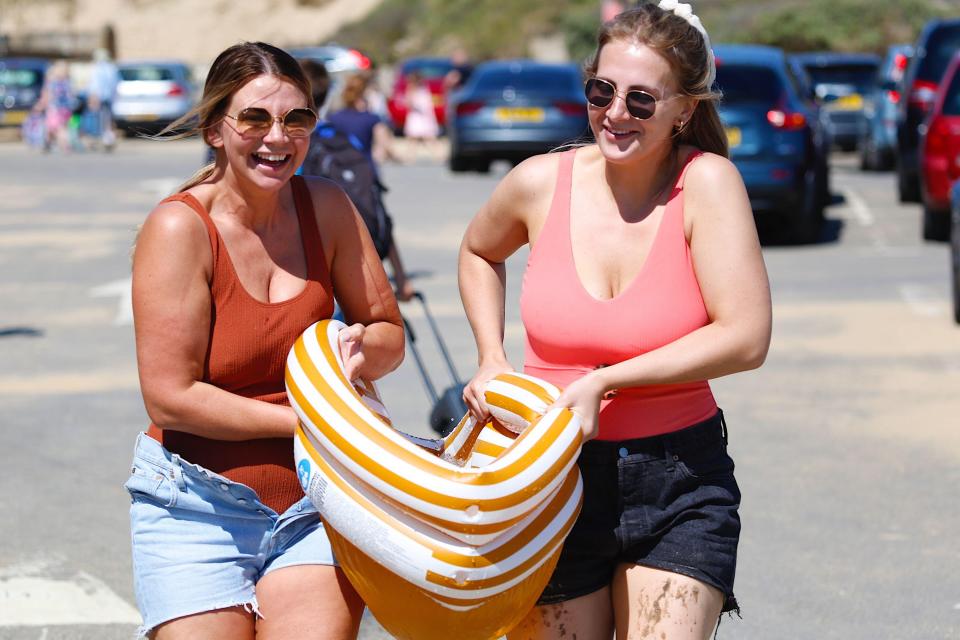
(940, 154)
(432, 71)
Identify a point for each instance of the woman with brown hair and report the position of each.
(227, 273)
(355, 118)
(644, 281)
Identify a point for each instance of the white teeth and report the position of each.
(618, 132)
(269, 157)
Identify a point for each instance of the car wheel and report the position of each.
(459, 164)
(482, 165)
(865, 161)
(936, 225)
(807, 225)
(908, 187)
(869, 155)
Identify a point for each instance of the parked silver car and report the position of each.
(151, 94)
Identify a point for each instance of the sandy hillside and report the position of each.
(193, 30)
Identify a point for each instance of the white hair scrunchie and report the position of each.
(685, 11)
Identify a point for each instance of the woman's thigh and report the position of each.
(308, 602)
(652, 603)
(588, 617)
(234, 623)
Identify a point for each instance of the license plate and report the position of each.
(852, 102)
(12, 117)
(519, 114)
(734, 137)
(141, 117)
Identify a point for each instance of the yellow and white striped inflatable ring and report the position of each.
(439, 546)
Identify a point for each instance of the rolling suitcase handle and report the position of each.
(427, 382)
(447, 407)
(436, 332)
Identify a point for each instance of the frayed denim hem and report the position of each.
(729, 613)
(250, 606)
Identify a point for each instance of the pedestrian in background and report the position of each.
(101, 91)
(357, 119)
(57, 102)
(460, 72)
(644, 281)
(227, 274)
(421, 122)
(368, 134)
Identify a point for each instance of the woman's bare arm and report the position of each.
(359, 281)
(171, 306)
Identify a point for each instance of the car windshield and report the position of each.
(749, 84)
(537, 80)
(428, 70)
(20, 77)
(146, 73)
(839, 78)
(941, 46)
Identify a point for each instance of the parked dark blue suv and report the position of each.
(775, 138)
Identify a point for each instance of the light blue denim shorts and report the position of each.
(201, 542)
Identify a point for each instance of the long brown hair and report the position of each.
(353, 90)
(233, 68)
(687, 53)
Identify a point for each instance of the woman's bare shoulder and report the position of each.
(710, 170)
(174, 219)
(528, 187)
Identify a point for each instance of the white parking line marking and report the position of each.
(34, 601)
(121, 288)
(922, 300)
(861, 211)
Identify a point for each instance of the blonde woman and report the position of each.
(645, 280)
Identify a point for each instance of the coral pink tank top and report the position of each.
(247, 355)
(569, 332)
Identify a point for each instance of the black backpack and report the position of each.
(340, 157)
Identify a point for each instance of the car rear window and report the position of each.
(940, 47)
(539, 80)
(20, 77)
(146, 73)
(749, 84)
(859, 76)
(428, 70)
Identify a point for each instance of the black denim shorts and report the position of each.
(668, 502)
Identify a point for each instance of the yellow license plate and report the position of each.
(519, 114)
(141, 117)
(12, 117)
(734, 138)
(852, 102)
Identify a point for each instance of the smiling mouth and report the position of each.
(272, 160)
(619, 134)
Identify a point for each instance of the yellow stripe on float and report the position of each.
(389, 447)
(527, 385)
(439, 552)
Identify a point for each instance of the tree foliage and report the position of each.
(498, 29)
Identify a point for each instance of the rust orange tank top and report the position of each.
(246, 355)
(569, 332)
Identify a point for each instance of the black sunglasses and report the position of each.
(297, 123)
(640, 104)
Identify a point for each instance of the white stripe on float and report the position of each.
(440, 485)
